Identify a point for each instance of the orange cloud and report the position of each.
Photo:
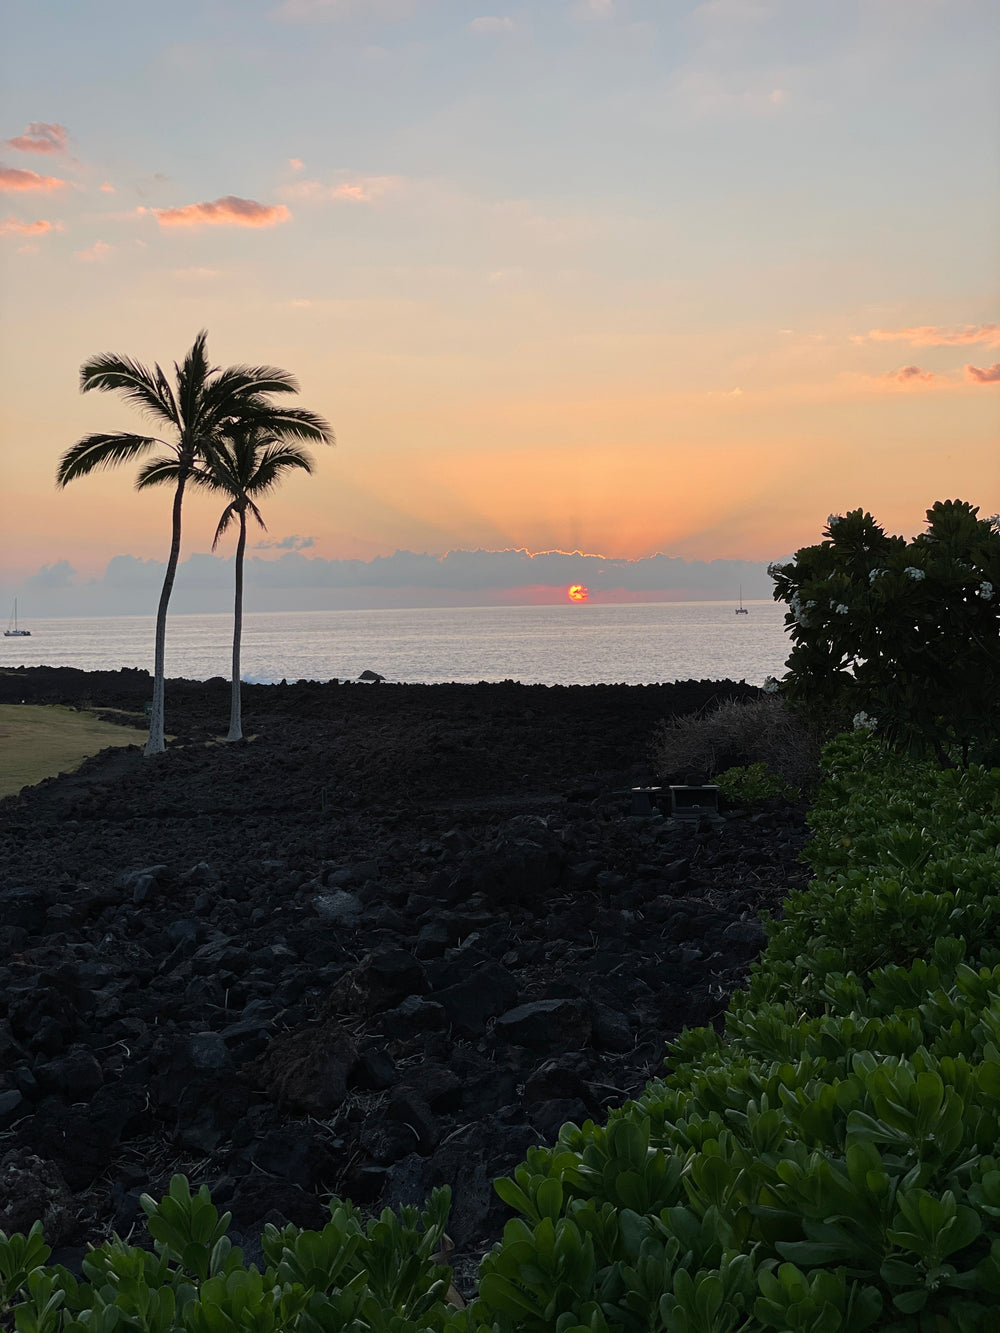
(986, 375)
(41, 138)
(13, 178)
(936, 335)
(98, 252)
(910, 375)
(230, 211)
(15, 227)
(108, 188)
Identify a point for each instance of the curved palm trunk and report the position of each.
(156, 743)
(236, 705)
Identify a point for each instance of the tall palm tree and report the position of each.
(203, 402)
(247, 462)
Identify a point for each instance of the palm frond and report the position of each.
(111, 373)
(289, 422)
(101, 451)
(167, 395)
(272, 461)
(157, 472)
(241, 380)
(228, 514)
(192, 382)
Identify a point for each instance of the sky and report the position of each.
(617, 277)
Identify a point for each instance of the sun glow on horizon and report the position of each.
(577, 593)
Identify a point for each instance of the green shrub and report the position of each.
(905, 634)
(752, 783)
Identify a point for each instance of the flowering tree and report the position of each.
(903, 635)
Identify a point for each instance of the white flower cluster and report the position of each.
(874, 573)
(831, 519)
(986, 590)
(771, 685)
(864, 721)
(799, 611)
(912, 572)
(841, 609)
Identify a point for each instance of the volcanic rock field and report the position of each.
(389, 942)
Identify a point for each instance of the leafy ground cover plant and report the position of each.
(750, 783)
(829, 1162)
(348, 1278)
(904, 635)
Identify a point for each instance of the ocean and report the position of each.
(575, 644)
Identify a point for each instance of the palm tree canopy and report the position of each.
(204, 402)
(246, 462)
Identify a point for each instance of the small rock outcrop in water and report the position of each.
(391, 942)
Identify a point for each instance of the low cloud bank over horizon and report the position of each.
(295, 582)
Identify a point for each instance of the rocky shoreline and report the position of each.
(394, 939)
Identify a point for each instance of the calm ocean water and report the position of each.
(551, 645)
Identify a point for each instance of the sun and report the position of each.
(577, 593)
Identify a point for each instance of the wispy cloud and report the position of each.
(708, 92)
(587, 11)
(984, 374)
(107, 188)
(15, 227)
(936, 335)
(351, 189)
(195, 274)
(293, 543)
(491, 23)
(41, 137)
(97, 253)
(17, 180)
(326, 11)
(229, 211)
(910, 375)
(727, 14)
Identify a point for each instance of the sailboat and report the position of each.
(741, 609)
(12, 631)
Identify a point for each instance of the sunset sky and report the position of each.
(617, 276)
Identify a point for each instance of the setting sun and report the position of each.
(577, 593)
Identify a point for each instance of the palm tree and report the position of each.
(203, 402)
(247, 462)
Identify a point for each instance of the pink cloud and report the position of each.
(41, 138)
(13, 178)
(296, 163)
(227, 212)
(910, 375)
(937, 335)
(97, 253)
(985, 375)
(15, 227)
(108, 188)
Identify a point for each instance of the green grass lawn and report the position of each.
(40, 740)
